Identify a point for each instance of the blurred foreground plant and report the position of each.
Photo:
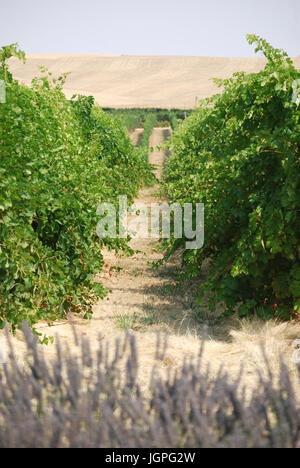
(87, 401)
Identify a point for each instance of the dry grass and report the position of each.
(241, 347)
(244, 350)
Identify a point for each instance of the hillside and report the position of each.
(138, 81)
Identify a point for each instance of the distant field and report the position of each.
(139, 81)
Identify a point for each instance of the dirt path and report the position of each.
(142, 300)
(136, 135)
(140, 296)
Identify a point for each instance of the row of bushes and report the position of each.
(238, 153)
(149, 123)
(59, 160)
(137, 118)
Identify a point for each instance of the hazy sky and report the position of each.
(154, 27)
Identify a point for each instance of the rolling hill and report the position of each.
(138, 81)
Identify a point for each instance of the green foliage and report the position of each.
(239, 155)
(6, 53)
(149, 123)
(59, 160)
(137, 118)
